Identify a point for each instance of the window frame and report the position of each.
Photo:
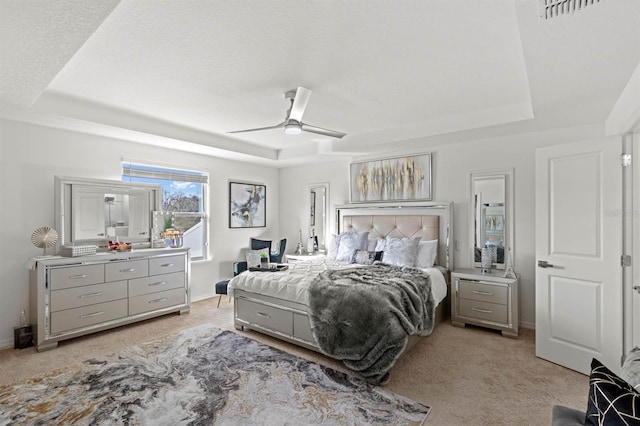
(173, 173)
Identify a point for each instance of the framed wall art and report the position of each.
(247, 205)
(393, 179)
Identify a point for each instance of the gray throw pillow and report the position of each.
(401, 251)
(350, 242)
(365, 257)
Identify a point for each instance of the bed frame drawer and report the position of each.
(482, 310)
(265, 316)
(483, 292)
(302, 328)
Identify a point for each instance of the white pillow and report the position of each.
(401, 251)
(380, 244)
(427, 251)
(349, 243)
(371, 244)
(332, 249)
(254, 256)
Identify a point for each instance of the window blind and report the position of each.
(135, 170)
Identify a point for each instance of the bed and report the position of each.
(284, 304)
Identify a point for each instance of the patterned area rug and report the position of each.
(203, 376)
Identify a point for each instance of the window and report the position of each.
(183, 203)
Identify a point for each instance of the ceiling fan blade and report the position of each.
(321, 131)
(278, 126)
(300, 102)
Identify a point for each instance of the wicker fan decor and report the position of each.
(44, 237)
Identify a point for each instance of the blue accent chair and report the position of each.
(221, 286)
(257, 244)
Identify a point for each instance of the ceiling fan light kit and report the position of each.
(292, 128)
(292, 123)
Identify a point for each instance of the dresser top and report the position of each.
(104, 257)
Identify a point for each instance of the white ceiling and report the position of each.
(392, 75)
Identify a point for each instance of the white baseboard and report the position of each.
(204, 297)
(528, 325)
(6, 344)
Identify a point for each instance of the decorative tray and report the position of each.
(277, 268)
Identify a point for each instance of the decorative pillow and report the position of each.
(380, 243)
(611, 399)
(254, 256)
(371, 244)
(631, 368)
(350, 242)
(332, 249)
(427, 251)
(366, 257)
(401, 251)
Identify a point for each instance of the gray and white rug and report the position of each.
(203, 376)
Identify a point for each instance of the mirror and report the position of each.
(319, 213)
(492, 216)
(94, 211)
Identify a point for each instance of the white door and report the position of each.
(88, 213)
(579, 235)
(635, 202)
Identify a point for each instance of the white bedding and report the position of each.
(293, 283)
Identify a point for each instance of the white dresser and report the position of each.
(73, 296)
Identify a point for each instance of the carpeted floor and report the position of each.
(466, 375)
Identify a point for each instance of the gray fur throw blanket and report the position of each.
(364, 316)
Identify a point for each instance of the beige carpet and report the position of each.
(468, 376)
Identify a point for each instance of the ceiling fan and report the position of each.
(292, 123)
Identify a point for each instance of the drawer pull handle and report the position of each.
(262, 314)
(158, 300)
(166, 265)
(128, 270)
(95, 314)
(484, 311)
(98, 293)
(77, 277)
(158, 283)
(482, 293)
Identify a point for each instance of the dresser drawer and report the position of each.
(483, 292)
(87, 295)
(266, 316)
(167, 264)
(483, 311)
(75, 276)
(155, 301)
(154, 284)
(126, 270)
(88, 315)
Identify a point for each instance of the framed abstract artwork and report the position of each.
(393, 179)
(247, 205)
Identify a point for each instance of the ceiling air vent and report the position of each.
(552, 8)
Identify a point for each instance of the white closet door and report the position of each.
(579, 235)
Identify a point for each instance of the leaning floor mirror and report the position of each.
(491, 218)
(318, 215)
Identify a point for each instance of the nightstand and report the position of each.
(488, 300)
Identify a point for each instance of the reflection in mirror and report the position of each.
(492, 216)
(93, 211)
(318, 212)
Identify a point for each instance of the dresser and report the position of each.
(488, 300)
(74, 296)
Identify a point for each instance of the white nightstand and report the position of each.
(292, 258)
(488, 300)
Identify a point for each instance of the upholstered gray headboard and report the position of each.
(429, 222)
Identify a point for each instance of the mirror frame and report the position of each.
(325, 185)
(507, 174)
(63, 208)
